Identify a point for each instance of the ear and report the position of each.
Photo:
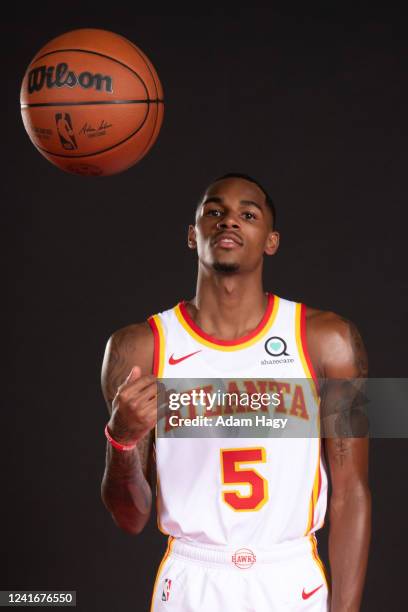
(191, 238)
(272, 243)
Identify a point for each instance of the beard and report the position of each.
(225, 268)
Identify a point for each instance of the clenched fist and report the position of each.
(134, 408)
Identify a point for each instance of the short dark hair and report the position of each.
(246, 177)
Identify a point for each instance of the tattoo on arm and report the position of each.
(344, 400)
(341, 450)
(125, 469)
(121, 346)
(359, 352)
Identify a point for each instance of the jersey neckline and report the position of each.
(229, 345)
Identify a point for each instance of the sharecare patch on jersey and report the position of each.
(166, 589)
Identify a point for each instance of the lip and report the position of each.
(227, 240)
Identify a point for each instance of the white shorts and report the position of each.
(193, 578)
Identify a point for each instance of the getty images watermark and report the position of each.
(237, 407)
(198, 398)
(283, 408)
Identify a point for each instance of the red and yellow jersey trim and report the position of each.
(302, 345)
(318, 561)
(314, 496)
(158, 334)
(158, 502)
(158, 369)
(228, 345)
(303, 351)
(310, 373)
(158, 575)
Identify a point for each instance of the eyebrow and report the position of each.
(219, 200)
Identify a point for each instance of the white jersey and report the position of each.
(241, 492)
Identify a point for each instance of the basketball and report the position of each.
(91, 102)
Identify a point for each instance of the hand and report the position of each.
(134, 408)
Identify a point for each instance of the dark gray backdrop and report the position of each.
(314, 106)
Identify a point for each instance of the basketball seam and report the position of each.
(86, 103)
(148, 144)
(141, 54)
(146, 62)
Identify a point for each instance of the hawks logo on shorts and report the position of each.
(166, 589)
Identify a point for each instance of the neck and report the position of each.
(228, 306)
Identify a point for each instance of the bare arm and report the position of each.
(338, 351)
(127, 480)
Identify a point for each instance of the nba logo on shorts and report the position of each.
(166, 589)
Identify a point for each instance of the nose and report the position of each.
(229, 221)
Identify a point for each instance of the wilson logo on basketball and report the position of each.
(61, 76)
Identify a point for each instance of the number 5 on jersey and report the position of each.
(232, 473)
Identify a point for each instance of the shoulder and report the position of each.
(132, 337)
(329, 326)
(132, 341)
(127, 347)
(335, 344)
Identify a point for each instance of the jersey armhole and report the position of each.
(302, 345)
(158, 350)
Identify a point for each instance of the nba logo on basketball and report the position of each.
(65, 131)
(166, 589)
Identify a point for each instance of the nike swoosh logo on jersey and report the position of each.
(307, 595)
(174, 361)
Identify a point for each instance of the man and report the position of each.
(210, 509)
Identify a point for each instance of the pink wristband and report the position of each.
(117, 445)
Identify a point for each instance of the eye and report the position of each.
(213, 212)
(249, 215)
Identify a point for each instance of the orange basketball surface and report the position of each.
(92, 102)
